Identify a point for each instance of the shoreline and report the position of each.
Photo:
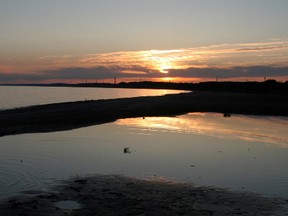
(119, 195)
(72, 115)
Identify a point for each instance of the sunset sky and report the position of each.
(176, 40)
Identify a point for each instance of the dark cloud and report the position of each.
(79, 73)
(96, 73)
(253, 71)
(262, 48)
(8, 77)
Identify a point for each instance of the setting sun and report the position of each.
(164, 68)
(167, 79)
(161, 61)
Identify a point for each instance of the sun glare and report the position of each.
(161, 60)
(167, 79)
(164, 69)
(163, 65)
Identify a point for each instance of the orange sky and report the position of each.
(159, 65)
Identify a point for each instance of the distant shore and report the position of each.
(266, 87)
(71, 115)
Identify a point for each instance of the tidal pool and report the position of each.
(239, 153)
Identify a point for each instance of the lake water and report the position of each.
(19, 96)
(240, 153)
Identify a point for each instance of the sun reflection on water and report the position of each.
(252, 129)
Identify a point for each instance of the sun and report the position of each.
(164, 69)
(164, 65)
(162, 60)
(167, 79)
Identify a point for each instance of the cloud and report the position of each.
(263, 46)
(223, 60)
(78, 73)
(234, 72)
(221, 55)
(15, 77)
(99, 73)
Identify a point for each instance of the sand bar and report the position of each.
(71, 115)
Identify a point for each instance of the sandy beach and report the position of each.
(71, 115)
(119, 195)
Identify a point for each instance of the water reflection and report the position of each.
(242, 153)
(19, 96)
(253, 129)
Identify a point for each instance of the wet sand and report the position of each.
(66, 116)
(118, 195)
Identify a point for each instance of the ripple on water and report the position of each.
(19, 175)
(13, 180)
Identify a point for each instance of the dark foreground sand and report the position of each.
(118, 195)
(65, 116)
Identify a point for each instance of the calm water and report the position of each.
(19, 96)
(240, 153)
